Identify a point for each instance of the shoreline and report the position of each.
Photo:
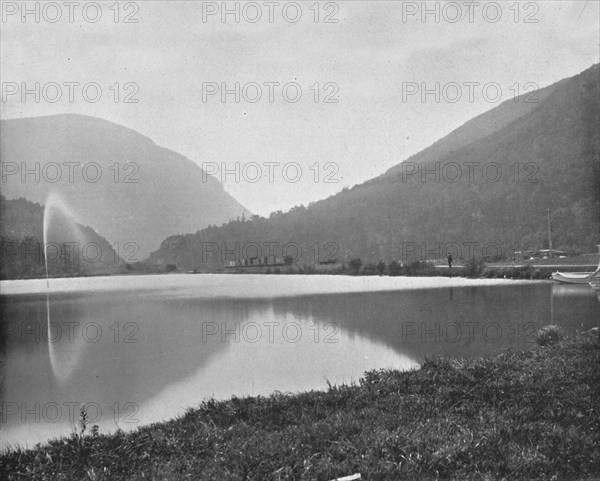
(518, 415)
(512, 270)
(216, 285)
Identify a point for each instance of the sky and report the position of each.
(319, 105)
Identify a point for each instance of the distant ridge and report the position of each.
(144, 194)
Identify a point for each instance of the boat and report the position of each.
(577, 277)
(573, 277)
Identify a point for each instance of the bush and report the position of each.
(369, 269)
(536, 274)
(526, 272)
(513, 273)
(414, 268)
(394, 268)
(487, 272)
(549, 335)
(474, 267)
(309, 269)
(355, 265)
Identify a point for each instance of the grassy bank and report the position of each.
(520, 415)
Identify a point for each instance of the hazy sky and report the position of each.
(366, 60)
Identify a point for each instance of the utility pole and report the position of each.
(549, 236)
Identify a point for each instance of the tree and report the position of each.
(381, 267)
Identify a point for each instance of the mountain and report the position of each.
(482, 126)
(69, 248)
(485, 190)
(120, 183)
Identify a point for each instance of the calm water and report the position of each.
(142, 349)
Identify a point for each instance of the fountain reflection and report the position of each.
(60, 230)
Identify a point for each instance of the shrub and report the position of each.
(355, 265)
(369, 269)
(513, 273)
(549, 335)
(487, 272)
(474, 267)
(309, 269)
(394, 269)
(526, 272)
(415, 267)
(536, 274)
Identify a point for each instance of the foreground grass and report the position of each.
(521, 415)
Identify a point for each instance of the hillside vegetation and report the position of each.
(516, 163)
(70, 249)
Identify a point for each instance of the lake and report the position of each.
(140, 349)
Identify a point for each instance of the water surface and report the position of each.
(140, 349)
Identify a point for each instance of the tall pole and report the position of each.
(549, 236)
(552, 304)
